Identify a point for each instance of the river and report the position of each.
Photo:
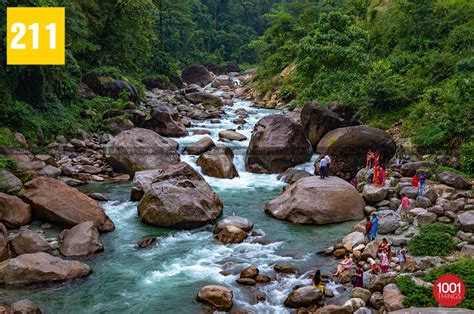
(167, 277)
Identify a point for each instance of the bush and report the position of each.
(467, 158)
(433, 239)
(414, 295)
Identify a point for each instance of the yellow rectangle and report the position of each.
(36, 36)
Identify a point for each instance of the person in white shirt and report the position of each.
(323, 164)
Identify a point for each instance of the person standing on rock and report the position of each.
(368, 228)
(384, 247)
(317, 282)
(382, 176)
(384, 262)
(402, 257)
(405, 207)
(369, 159)
(375, 226)
(346, 264)
(421, 183)
(376, 175)
(400, 154)
(414, 181)
(358, 277)
(323, 163)
(328, 166)
(371, 176)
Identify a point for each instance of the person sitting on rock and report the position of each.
(346, 264)
(317, 282)
(358, 277)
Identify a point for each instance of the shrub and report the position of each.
(467, 158)
(414, 295)
(433, 239)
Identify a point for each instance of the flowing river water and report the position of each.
(166, 278)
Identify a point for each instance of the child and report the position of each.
(373, 264)
(405, 207)
(358, 277)
(402, 258)
(384, 263)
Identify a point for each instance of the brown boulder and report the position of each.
(317, 121)
(231, 234)
(231, 135)
(141, 149)
(142, 183)
(56, 202)
(164, 120)
(40, 268)
(292, 175)
(454, 180)
(239, 222)
(218, 163)
(201, 146)
(277, 144)
(179, 197)
(25, 306)
(249, 272)
(204, 98)
(81, 240)
(28, 241)
(333, 309)
(393, 298)
(348, 148)
(303, 297)
(218, 297)
(409, 169)
(13, 211)
(315, 201)
(196, 74)
(4, 249)
(9, 183)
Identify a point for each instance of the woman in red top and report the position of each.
(368, 228)
(414, 181)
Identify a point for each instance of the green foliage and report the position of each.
(423, 297)
(7, 138)
(414, 295)
(467, 157)
(427, 242)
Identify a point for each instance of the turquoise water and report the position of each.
(167, 277)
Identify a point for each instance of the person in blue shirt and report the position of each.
(421, 183)
(323, 164)
(375, 226)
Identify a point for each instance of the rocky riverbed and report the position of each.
(206, 165)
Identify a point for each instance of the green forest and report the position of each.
(402, 63)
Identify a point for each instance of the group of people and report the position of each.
(371, 226)
(324, 165)
(377, 174)
(419, 181)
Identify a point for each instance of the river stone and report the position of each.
(142, 183)
(393, 298)
(426, 218)
(9, 183)
(355, 238)
(179, 197)
(466, 221)
(25, 306)
(315, 201)
(277, 144)
(247, 281)
(376, 300)
(204, 98)
(40, 268)
(388, 224)
(303, 297)
(164, 120)
(348, 148)
(27, 241)
(222, 80)
(218, 297)
(55, 202)
(409, 169)
(231, 135)
(4, 249)
(81, 240)
(239, 222)
(141, 149)
(196, 74)
(218, 163)
(231, 234)
(374, 194)
(292, 175)
(201, 146)
(249, 272)
(285, 268)
(263, 279)
(317, 121)
(410, 192)
(455, 180)
(13, 211)
(361, 293)
(370, 250)
(423, 202)
(333, 309)
(354, 304)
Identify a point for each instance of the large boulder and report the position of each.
(201, 146)
(393, 298)
(218, 163)
(454, 180)
(303, 297)
(277, 144)
(196, 74)
(179, 197)
(56, 202)
(153, 82)
(40, 268)
(370, 250)
(110, 87)
(388, 224)
(231, 234)
(222, 80)
(218, 297)
(141, 149)
(13, 211)
(355, 238)
(230, 136)
(4, 249)
(317, 121)
(9, 183)
(465, 221)
(291, 175)
(28, 241)
(164, 120)
(348, 148)
(315, 201)
(204, 98)
(374, 194)
(142, 183)
(361, 293)
(81, 240)
(409, 169)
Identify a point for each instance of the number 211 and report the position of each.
(20, 29)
